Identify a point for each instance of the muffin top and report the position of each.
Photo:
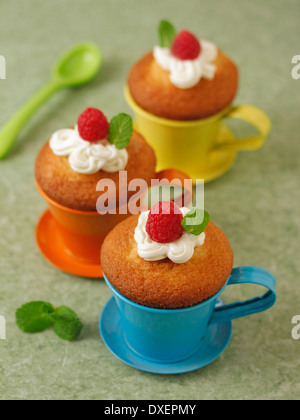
(70, 165)
(166, 275)
(183, 78)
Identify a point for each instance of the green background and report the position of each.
(256, 203)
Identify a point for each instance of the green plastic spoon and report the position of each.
(78, 67)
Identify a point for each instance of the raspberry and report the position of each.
(93, 125)
(164, 222)
(186, 46)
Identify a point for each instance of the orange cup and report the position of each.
(71, 239)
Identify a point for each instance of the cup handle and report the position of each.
(252, 275)
(256, 118)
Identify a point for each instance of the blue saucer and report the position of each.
(215, 342)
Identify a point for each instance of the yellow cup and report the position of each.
(204, 149)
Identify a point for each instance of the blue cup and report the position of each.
(171, 335)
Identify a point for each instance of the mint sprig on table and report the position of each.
(167, 34)
(195, 221)
(35, 317)
(120, 130)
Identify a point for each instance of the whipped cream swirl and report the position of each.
(185, 74)
(179, 251)
(85, 157)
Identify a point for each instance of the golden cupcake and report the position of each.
(70, 165)
(183, 78)
(168, 257)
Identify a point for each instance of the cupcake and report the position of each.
(167, 257)
(70, 165)
(183, 78)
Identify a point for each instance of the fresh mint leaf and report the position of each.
(67, 325)
(35, 317)
(167, 33)
(195, 221)
(120, 130)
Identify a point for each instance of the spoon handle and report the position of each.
(11, 130)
